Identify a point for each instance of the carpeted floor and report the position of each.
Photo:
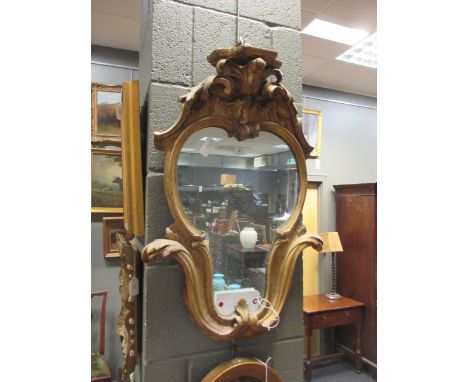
(339, 372)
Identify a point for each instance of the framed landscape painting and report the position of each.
(312, 129)
(111, 226)
(106, 112)
(106, 180)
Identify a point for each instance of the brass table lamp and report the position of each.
(332, 243)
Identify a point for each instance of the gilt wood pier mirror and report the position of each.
(235, 181)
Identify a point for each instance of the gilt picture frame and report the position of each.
(312, 130)
(106, 181)
(131, 161)
(111, 226)
(106, 113)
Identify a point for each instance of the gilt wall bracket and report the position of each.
(244, 97)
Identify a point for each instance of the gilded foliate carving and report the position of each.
(246, 91)
(126, 325)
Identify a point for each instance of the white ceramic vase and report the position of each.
(248, 237)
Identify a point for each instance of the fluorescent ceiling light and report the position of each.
(204, 139)
(334, 32)
(187, 150)
(364, 53)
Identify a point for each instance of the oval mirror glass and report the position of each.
(239, 193)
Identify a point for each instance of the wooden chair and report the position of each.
(99, 370)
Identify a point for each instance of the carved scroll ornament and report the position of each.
(243, 98)
(127, 323)
(234, 369)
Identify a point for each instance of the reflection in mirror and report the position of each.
(239, 193)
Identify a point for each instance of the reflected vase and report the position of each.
(218, 282)
(248, 237)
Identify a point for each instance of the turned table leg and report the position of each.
(358, 348)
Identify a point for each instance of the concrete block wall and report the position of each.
(176, 38)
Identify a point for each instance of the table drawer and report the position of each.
(343, 317)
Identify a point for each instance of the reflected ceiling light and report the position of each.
(364, 53)
(280, 146)
(204, 139)
(259, 162)
(334, 32)
(187, 150)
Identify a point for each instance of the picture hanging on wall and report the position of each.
(111, 226)
(106, 180)
(106, 112)
(312, 129)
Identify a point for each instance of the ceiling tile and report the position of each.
(361, 14)
(311, 64)
(115, 31)
(315, 6)
(321, 48)
(306, 18)
(311, 79)
(366, 85)
(126, 8)
(339, 73)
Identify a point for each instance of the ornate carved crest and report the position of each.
(243, 98)
(246, 93)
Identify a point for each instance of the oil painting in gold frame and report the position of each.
(106, 181)
(312, 130)
(111, 226)
(106, 113)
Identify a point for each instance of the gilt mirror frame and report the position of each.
(243, 98)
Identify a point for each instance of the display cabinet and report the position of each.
(205, 203)
(356, 223)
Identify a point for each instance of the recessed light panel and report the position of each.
(364, 53)
(334, 32)
(281, 146)
(213, 139)
(259, 162)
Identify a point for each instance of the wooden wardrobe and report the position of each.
(356, 223)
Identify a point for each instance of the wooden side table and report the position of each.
(321, 312)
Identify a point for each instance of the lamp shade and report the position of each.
(331, 242)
